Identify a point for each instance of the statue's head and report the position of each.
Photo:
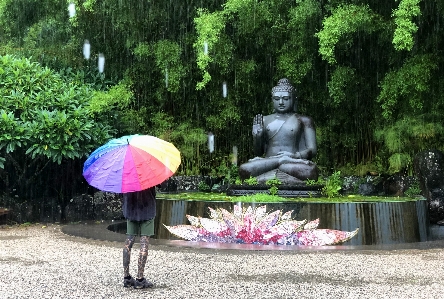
(283, 96)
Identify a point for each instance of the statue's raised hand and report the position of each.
(258, 125)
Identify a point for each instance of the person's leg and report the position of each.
(131, 229)
(129, 242)
(143, 255)
(146, 230)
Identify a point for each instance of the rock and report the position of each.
(108, 205)
(350, 184)
(187, 183)
(218, 188)
(429, 168)
(436, 206)
(367, 189)
(100, 206)
(397, 184)
(79, 208)
(169, 185)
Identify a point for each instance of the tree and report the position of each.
(45, 121)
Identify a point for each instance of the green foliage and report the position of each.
(16, 16)
(399, 162)
(226, 170)
(296, 56)
(187, 138)
(407, 85)
(118, 96)
(332, 185)
(208, 27)
(413, 190)
(309, 182)
(259, 197)
(305, 11)
(273, 190)
(292, 66)
(213, 45)
(43, 119)
(115, 105)
(168, 59)
(88, 4)
(251, 181)
(232, 174)
(408, 136)
(37, 29)
(341, 78)
(45, 115)
(274, 185)
(343, 22)
(405, 28)
(373, 167)
(273, 182)
(203, 187)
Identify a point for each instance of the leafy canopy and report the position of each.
(403, 89)
(405, 28)
(342, 24)
(45, 115)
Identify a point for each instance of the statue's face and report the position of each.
(282, 101)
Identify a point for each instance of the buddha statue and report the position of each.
(284, 142)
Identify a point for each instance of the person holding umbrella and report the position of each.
(133, 165)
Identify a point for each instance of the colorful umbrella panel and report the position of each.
(131, 163)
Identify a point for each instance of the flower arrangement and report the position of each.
(256, 226)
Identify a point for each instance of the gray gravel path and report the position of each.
(42, 262)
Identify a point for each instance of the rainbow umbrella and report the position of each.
(131, 163)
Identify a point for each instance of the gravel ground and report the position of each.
(42, 262)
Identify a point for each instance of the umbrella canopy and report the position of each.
(131, 163)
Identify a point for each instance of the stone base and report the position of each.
(300, 190)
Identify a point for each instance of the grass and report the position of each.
(206, 196)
